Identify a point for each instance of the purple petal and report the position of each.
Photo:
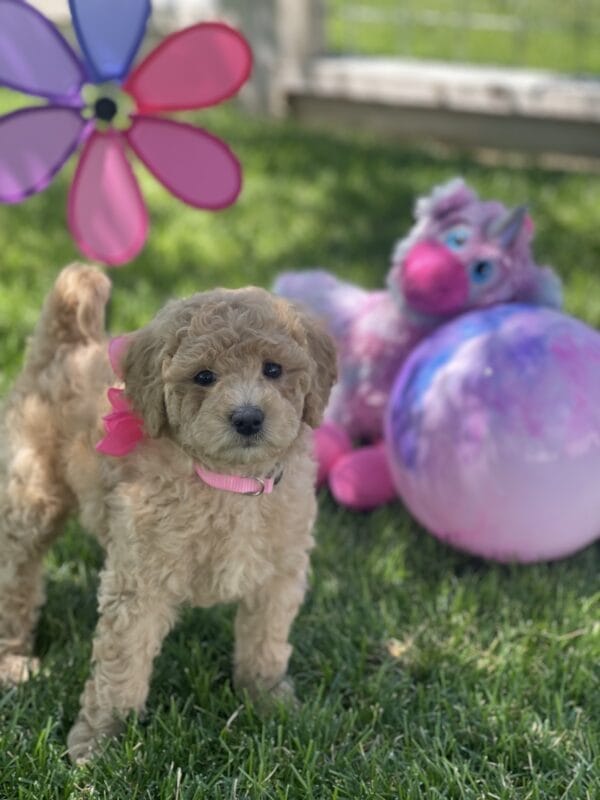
(34, 57)
(34, 145)
(110, 33)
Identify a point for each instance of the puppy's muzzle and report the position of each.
(247, 420)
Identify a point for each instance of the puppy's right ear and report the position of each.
(324, 369)
(141, 359)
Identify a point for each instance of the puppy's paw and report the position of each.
(283, 693)
(16, 669)
(267, 699)
(84, 742)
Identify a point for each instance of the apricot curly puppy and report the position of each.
(226, 381)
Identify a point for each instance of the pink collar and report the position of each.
(234, 483)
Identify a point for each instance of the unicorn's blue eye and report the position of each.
(482, 271)
(456, 237)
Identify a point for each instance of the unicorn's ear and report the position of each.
(444, 199)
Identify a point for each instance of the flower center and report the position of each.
(108, 105)
(105, 109)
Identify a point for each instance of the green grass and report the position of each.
(546, 33)
(491, 688)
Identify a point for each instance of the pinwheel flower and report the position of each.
(96, 102)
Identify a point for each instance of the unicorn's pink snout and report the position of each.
(433, 279)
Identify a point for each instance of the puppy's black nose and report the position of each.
(247, 420)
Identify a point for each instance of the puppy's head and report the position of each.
(230, 376)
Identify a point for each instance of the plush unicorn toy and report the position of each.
(462, 253)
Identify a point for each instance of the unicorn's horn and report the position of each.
(507, 227)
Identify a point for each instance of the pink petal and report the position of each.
(107, 215)
(195, 166)
(117, 347)
(194, 68)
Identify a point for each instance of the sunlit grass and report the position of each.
(489, 688)
(528, 33)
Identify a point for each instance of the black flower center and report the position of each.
(105, 109)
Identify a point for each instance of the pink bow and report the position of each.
(124, 430)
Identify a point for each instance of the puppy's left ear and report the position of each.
(324, 369)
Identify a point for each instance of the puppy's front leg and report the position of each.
(262, 626)
(133, 623)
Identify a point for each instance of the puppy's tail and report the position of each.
(72, 317)
(73, 313)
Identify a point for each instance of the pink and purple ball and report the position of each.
(493, 433)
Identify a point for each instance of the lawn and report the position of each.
(528, 33)
(423, 673)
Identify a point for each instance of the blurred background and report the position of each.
(355, 108)
(506, 74)
(519, 33)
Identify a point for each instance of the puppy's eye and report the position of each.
(205, 378)
(272, 370)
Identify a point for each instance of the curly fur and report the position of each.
(170, 540)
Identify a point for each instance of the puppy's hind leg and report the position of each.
(36, 422)
(33, 505)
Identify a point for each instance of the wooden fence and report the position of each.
(524, 110)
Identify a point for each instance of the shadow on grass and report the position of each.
(402, 575)
(480, 660)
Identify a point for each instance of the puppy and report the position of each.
(214, 503)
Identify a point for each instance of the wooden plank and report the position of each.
(509, 132)
(463, 88)
(286, 35)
